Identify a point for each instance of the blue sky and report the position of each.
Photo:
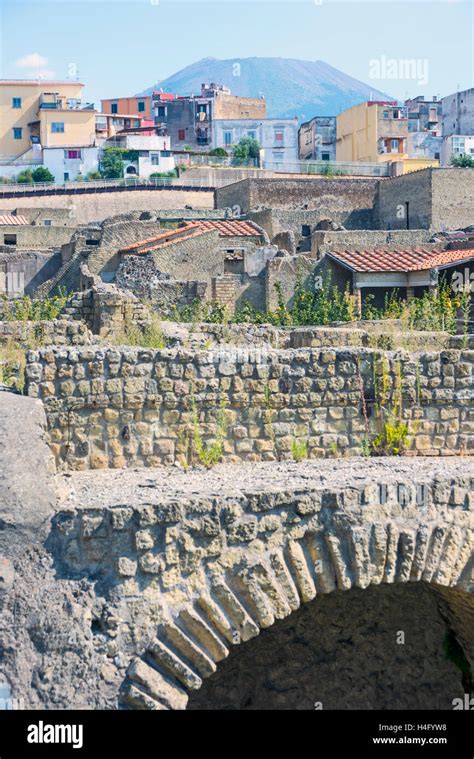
(120, 47)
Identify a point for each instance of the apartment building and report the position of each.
(374, 131)
(36, 114)
(278, 139)
(317, 139)
(424, 127)
(458, 113)
(136, 106)
(455, 145)
(189, 120)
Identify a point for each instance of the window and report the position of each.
(385, 114)
(17, 133)
(66, 176)
(227, 138)
(325, 156)
(278, 136)
(16, 102)
(458, 145)
(136, 123)
(251, 134)
(73, 155)
(155, 159)
(394, 146)
(166, 153)
(181, 134)
(57, 127)
(9, 239)
(141, 106)
(161, 112)
(396, 114)
(437, 156)
(114, 108)
(47, 222)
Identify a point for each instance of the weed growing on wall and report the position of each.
(299, 449)
(209, 454)
(12, 365)
(26, 309)
(148, 335)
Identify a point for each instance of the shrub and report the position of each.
(144, 336)
(42, 174)
(25, 177)
(26, 309)
(219, 152)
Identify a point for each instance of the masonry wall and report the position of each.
(55, 332)
(21, 272)
(128, 407)
(348, 201)
(86, 207)
(367, 238)
(453, 198)
(36, 237)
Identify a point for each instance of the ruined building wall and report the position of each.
(123, 407)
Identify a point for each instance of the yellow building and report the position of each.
(373, 131)
(37, 114)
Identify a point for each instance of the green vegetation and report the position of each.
(219, 152)
(26, 309)
(299, 449)
(111, 162)
(462, 162)
(148, 335)
(12, 365)
(245, 151)
(42, 174)
(209, 454)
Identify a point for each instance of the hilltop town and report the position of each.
(236, 375)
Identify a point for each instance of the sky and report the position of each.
(120, 47)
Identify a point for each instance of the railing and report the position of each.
(329, 168)
(91, 185)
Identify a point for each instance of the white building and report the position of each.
(278, 139)
(456, 145)
(66, 164)
(153, 153)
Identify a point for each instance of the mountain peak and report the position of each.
(292, 87)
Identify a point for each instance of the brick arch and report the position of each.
(246, 591)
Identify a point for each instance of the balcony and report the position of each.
(52, 102)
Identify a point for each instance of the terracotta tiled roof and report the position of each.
(168, 235)
(414, 259)
(12, 220)
(229, 228)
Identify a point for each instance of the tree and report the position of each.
(462, 161)
(42, 174)
(246, 149)
(219, 152)
(25, 177)
(111, 165)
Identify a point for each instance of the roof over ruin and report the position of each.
(414, 259)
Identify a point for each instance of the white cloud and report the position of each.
(35, 65)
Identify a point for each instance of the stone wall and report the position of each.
(198, 562)
(123, 407)
(106, 309)
(453, 198)
(36, 237)
(22, 272)
(437, 199)
(56, 332)
(366, 238)
(348, 201)
(86, 207)
(284, 273)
